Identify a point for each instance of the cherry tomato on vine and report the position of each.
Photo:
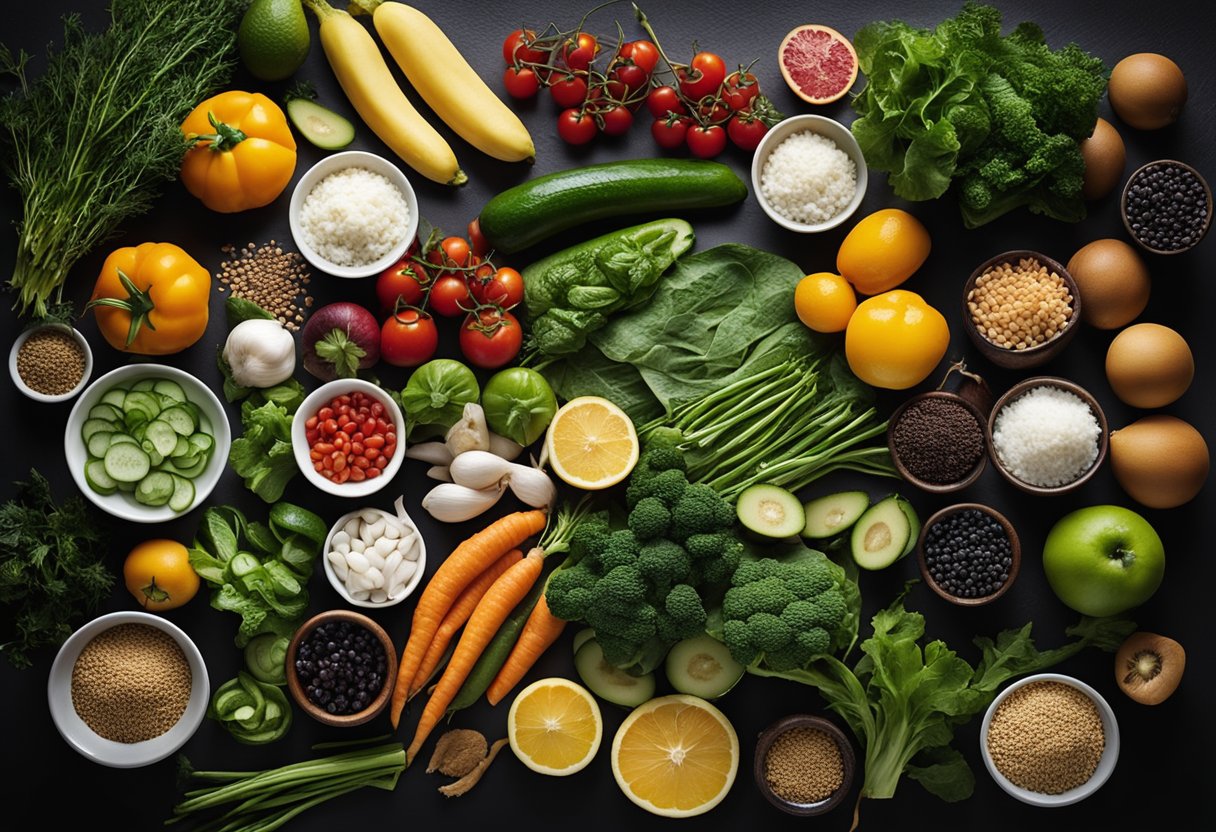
(641, 52)
(663, 100)
(669, 133)
(521, 83)
(579, 51)
(746, 130)
(518, 47)
(617, 120)
(739, 89)
(490, 337)
(477, 240)
(456, 251)
(576, 126)
(569, 91)
(713, 111)
(408, 338)
(501, 287)
(450, 296)
(702, 76)
(403, 280)
(706, 142)
(631, 75)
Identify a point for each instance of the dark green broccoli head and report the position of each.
(619, 589)
(649, 519)
(589, 538)
(666, 486)
(684, 612)
(737, 638)
(621, 550)
(769, 595)
(768, 631)
(700, 511)
(663, 562)
(704, 546)
(569, 592)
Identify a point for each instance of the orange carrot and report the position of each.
(537, 636)
(467, 561)
(466, 602)
(491, 612)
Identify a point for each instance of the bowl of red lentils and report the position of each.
(804, 765)
(1049, 740)
(348, 437)
(50, 362)
(1021, 308)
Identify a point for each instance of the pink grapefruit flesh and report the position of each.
(818, 63)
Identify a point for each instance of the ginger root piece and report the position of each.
(457, 752)
(464, 784)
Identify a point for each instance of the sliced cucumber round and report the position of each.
(582, 637)
(832, 514)
(770, 511)
(702, 666)
(609, 683)
(884, 533)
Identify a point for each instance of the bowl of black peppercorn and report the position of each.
(969, 554)
(341, 666)
(1166, 207)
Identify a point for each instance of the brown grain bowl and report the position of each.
(937, 488)
(1033, 356)
(847, 758)
(1064, 384)
(1015, 553)
(297, 690)
(1207, 222)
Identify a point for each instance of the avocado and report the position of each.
(885, 532)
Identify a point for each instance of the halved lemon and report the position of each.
(676, 756)
(591, 443)
(554, 726)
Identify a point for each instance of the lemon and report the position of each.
(591, 443)
(825, 302)
(554, 726)
(882, 251)
(675, 756)
(273, 38)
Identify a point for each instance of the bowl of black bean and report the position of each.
(969, 554)
(1167, 207)
(341, 666)
(937, 441)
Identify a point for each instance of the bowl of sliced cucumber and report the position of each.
(147, 442)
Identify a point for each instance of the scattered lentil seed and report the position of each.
(1019, 306)
(968, 554)
(804, 766)
(50, 362)
(272, 278)
(1046, 737)
(938, 441)
(131, 683)
(1167, 207)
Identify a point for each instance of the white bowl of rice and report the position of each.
(353, 214)
(808, 174)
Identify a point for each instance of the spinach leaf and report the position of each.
(591, 374)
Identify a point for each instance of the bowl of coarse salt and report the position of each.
(353, 214)
(375, 558)
(808, 174)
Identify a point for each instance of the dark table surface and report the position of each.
(1165, 750)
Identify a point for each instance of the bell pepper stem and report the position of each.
(138, 304)
(223, 139)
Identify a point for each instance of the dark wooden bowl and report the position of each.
(1064, 384)
(1037, 355)
(847, 758)
(1015, 549)
(938, 488)
(1207, 222)
(297, 690)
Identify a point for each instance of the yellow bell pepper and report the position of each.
(151, 299)
(894, 340)
(243, 153)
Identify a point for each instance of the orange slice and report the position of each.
(554, 727)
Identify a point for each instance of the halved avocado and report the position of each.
(610, 683)
(770, 511)
(884, 533)
(702, 666)
(832, 514)
(321, 126)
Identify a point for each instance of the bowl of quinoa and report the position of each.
(804, 765)
(50, 362)
(128, 689)
(353, 214)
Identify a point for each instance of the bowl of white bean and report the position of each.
(375, 558)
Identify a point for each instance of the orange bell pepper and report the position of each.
(243, 153)
(151, 299)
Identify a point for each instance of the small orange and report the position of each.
(894, 340)
(882, 251)
(825, 302)
(158, 573)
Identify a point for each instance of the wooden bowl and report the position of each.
(297, 689)
(1037, 355)
(1015, 553)
(847, 758)
(938, 488)
(1207, 222)
(1064, 384)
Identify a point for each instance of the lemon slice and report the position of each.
(675, 756)
(591, 443)
(554, 727)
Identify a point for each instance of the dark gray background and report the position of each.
(1165, 749)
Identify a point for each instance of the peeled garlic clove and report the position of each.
(357, 562)
(359, 580)
(452, 503)
(377, 528)
(339, 537)
(411, 550)
(532, 486)
(391, 563)
(375, 576)
(352, 527)
(385, 546)
(342, 547)
(338, 561)
(357, 545)
(361, 594)
(369, 515)
(374, 561)
(392, 531)
(404, 572)
(378, 596)
(436, 453)
(365, 534)
(479, 469)
(469, 433)
(503, 447)
(439, 472)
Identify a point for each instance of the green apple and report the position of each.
(1103, 560)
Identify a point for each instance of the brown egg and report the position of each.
(1147, 90)
(1105, 157)
(1113, 282)
(1149, 365)
(1160, 461)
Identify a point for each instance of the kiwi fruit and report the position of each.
(1148, 667)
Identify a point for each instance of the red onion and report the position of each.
(340, 339)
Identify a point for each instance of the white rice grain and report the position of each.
(354, 217)
(808, 179)
(1047, 437)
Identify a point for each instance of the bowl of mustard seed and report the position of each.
(50, 362)
(804, 765)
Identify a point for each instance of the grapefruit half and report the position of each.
(818, 63)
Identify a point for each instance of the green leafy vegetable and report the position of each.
(263, 455)
(253, 711)
(52, 568)
(434, 397)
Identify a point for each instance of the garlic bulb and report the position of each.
(260, 353)
(470, 433)
(451, 503)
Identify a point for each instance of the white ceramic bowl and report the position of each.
(214, 421)
(340, 587)
(828, 128)
(121, 754)
(34, 394)
(319, 398)
(333, 164)
(1106, 763)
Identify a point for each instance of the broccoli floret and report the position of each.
(808, 582)
(815, 640)
(569, 592)
(663, 563)
(589, 538)
(683, 613)
(768, 631)
(700, 511)
(737, 638)
(791, 656)
(621, 550)
(704, 546)
(750, 571)
(666, 486)
(620, 652)
(769, 595)
(649, 519)
(665, 458)
(619, 589)
(718, 570)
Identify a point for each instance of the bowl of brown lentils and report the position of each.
(804, 765)
(50, 362)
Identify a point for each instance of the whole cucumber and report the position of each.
(528, 213)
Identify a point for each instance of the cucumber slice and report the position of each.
(610, 683)
(181, 448)
(180, 419)
(126, 487)
(134, 420)
(126, 463)
(582, 637)
(169, 388)
(154, 456)
(190, 471)
(97, 478)
(140, 400)
(321, 126)
(183, 494)
(702, 666)
(884, 533)
(162, 436)
(832, 514)
(92, 426)
(99, 442)
(119, 438)
(114, 396)
(201, 442)
(770, 511)
(154, 489)
(143, 385)
(105, 411)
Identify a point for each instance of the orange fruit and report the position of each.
(159, 575)
(894, 340)
(554, 726)
(882, 251)
(825, 302)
